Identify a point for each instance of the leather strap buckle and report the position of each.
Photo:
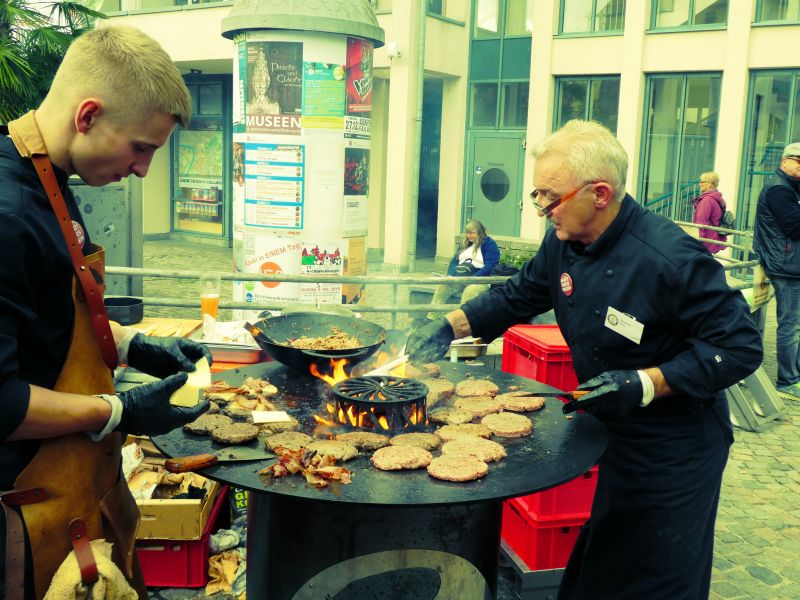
(83, 551)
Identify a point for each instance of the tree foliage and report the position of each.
(33, 39)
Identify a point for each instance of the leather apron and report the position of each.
(80, 479)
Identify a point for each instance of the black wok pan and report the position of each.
(275, 333)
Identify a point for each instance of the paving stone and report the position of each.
(764, 574)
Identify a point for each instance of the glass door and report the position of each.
(199, 191)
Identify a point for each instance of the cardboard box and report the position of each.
(176, 519)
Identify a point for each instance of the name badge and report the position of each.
(624, 324)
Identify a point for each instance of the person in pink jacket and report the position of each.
(709, 207)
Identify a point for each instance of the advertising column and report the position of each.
(301, 122)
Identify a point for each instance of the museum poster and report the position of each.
(274, 87)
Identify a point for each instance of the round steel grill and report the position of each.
(381, 403)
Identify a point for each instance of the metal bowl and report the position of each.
(124, 310)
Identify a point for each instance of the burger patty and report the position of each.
(520, 401)
(457, 468)
(396, 458)
(364, 440)
(206, 423)
(293, 440)
(476, 387)
(339, 450)
(508, 424)
(451, 432)
(479, 406)
(235, 433)
(477, 447)
(427, 441)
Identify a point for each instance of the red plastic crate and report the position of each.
(571, 500)
(541, 544)
(539, 352)
(179, 563)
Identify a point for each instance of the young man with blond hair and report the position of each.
(113, 102)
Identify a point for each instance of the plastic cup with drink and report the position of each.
(209, 294)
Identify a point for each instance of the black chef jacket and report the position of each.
(650, 534)
(36, 311)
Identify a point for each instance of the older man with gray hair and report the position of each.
(656, 336)
(777, 241)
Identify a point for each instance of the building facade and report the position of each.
(462, 87)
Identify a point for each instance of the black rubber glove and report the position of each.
(146, 409)
(431, 342)
(165, 356)
(612, 395)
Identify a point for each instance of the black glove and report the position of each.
(165, 356)
(146, 409)
(612, 395)
(431, 342)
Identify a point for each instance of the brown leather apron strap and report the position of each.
(91, 291)
(15, 539)
(83, 551)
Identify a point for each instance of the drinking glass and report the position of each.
(209, 294)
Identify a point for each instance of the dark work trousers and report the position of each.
(651, 531)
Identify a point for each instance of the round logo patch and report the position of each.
(613, 320)
(566, 284)
(76, 227)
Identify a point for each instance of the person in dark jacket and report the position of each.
(114, 100)
(709, 207)
(776, 239)
(477, 256)
(656, 336)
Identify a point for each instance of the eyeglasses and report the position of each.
(546, 211)
(794, 158)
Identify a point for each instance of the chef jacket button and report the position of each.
(570, 260)
(595, 349)
(597, 313)
(609, 273)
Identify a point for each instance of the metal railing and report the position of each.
(394, 281)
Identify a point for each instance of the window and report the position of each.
(519, 17)
(199, 151)
(592, 16)
(436, 7)
(680, 134)
(667, 14)
(487, 18)
(773, 116)
(592, 98)
(771, 11)
(500, 63)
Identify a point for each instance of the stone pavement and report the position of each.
(757, 552)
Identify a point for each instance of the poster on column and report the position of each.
(359, 77)
(356, 188)
(274, 184)
(271, 255)
(324, 206)
(239, 82)
(237, 187)
(322, 258)
(323, 96)
(274, 86)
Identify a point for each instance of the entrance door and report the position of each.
(493, 194)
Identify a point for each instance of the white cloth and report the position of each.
(111, 583)
(466, 254)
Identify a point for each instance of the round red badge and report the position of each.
(79, 233)
(566, 284)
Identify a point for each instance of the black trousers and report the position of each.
(651, 531)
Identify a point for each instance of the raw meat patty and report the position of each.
(235, 433)
(520, 401)
(396, 458)
(427, 441)
(438, 390)
(476, 387)
(457, 468)
(339, 450)
(450, 416)
(508, 424)
(364, 440)
(450, 432)
(206, 423)
(293, 440)
(480, 406)
(477, 447)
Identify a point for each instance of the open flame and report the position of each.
(338, 372)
